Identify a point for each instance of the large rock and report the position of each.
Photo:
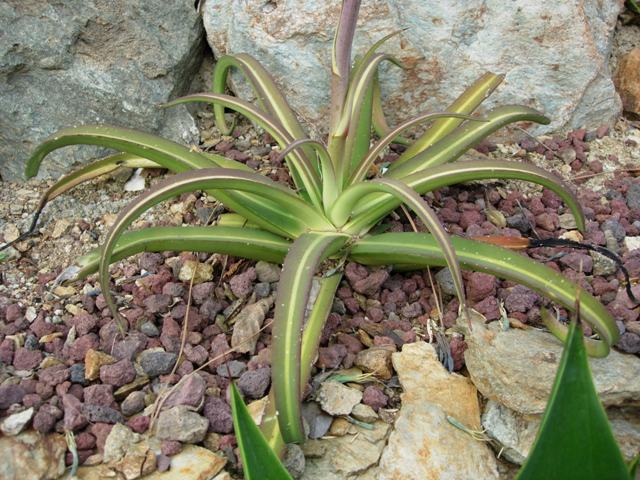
(515, 433)
(554, 56)
(89, 61)
(32, 455)
(517, 368)
(424, 443)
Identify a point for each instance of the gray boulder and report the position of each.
(92, 62)
(554, 55)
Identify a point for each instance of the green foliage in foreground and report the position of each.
(336, 198)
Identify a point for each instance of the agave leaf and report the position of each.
(465, 137)
(304, 257)
(265, 89)
(633, 464)
(466, 103)
(575, 438)
(282, 199)
(172, 156)
(342, 208)
(361, 170)
(593, 347)
(373, 208)
(378, 119)
(309, 349)
(258, 460)
(421, 250)
(329, 182)
(359, 137)
(245, 242)
(303, 171)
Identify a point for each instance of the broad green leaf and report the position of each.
(259, 462)
(300, 264)
(466, 136)
(420, 250)
(466, 103)
(574, 439)
(176, 158)
(243, 242)
(341, 211)
(363, 167)
(303, 171)
(375, 207)
(282, 199)
(309, 349)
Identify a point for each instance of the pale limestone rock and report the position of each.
(119, 441)
(247, 324)
(32, 455)
(554, 55)
(517, 368)
(14, 424)
(337, 399)
(424, 444)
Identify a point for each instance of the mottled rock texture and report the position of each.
(554, 55)
(88, 62)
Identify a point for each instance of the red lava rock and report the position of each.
(210, 308)
(45, 391)
(150, 261)
(449, 215)
(32, 400)
(457, 346)
(41, 328)
(170, 447)
(489, 308)
(371, 284)
(254, 383)
(174, 289)
(196, 354)
(412, 310)
(548, 221)
(99, 395)
(46, 417)
(480, 286)
(629, 342)
(578, 261)
(118, 374)
(374, 397)
(242, 285)
(54, 375)
(85, 441)
(163, 463)
(331, 356)
(139, 424)
(130, 346)
(375, 314)
(470, 217)
(218, 412)
(354, 272)
(219, 346)
(10, 394)
(201, 292)
(7, 347)
(84, 323)
(74, 417)
(101, 432)
(550, 199)
(399, 297)
(25, 359)
(13, 312)
(158, 303)
(78, 349)
(351, 305)
(262, 359)
(63, 388)
(189, 392)
(170, 328)
(520, 299)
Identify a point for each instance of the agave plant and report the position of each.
(327, 215)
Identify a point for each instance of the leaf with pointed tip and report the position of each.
(342, 208)
(464, 104)
(420, 250)
(378, 119)
(375, 207)
(574, 439)
(466, 136)
(360, 171)
(239, 241)
(259, 462)
(280, 198)
(303, 171)
(300, 264)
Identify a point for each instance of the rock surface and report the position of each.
(88, 62)
(337, 399)
(516, 433)
(423, 443)
(32, 455)
(444, 49)
(517, 368)
(628, 80)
